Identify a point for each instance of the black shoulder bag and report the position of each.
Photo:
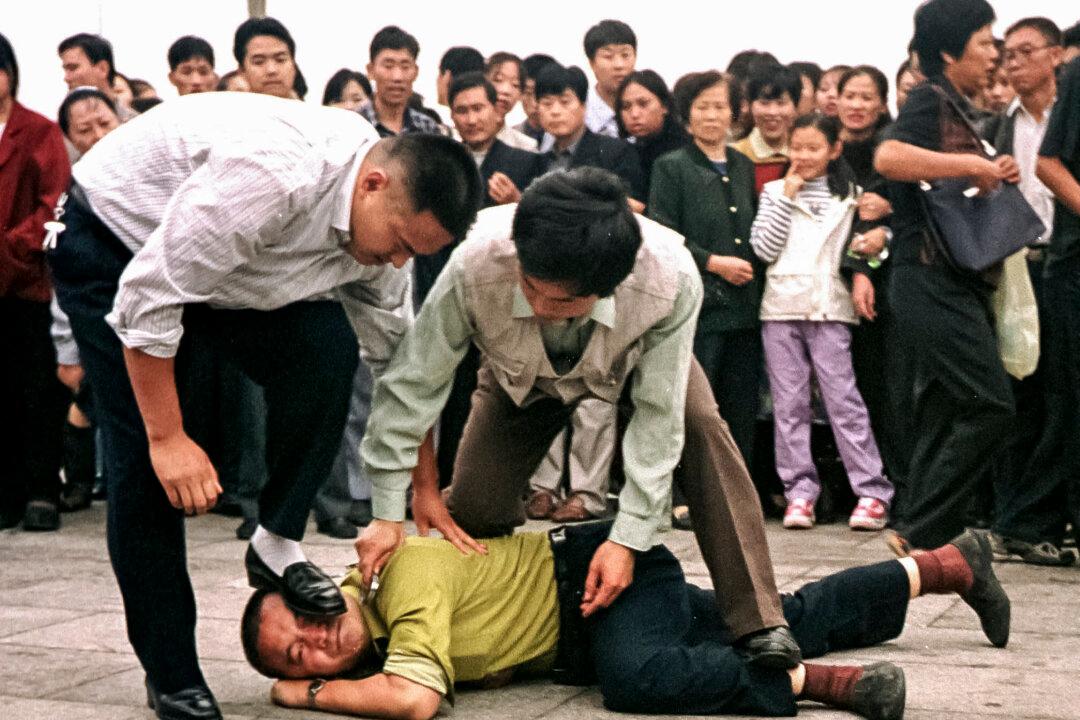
(976, 232)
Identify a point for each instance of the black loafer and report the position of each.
(337, 527)
(306, 589)
(772, 647)
(41, 516)
(193, 703)
(881, 692)
(986, 596)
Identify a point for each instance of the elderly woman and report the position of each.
(959, 396)
(34, 171)
(705, 191)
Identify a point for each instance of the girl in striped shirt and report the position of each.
(802, 229)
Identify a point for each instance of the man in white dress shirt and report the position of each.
(275, 231)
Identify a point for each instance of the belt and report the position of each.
(573, 547)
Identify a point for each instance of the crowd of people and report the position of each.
(173, 275)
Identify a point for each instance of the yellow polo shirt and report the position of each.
(445, 617)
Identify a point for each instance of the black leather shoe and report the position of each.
(986, 596)
(337, 527)
(881, 692)
(41, 516)
(306, 589)
(193, 703)
(772, 647)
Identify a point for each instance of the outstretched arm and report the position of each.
(381, 696)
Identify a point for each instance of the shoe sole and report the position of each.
(867, 525)
(798, 524)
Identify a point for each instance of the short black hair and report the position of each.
(555, 79)
(502, 57)
(139, 86)
(468, 81)
(189, 47)
(141, 105)
(770, 82)
(838, 175)
(533, 64)
(63, 115)
(809, 70)
(689, 86)
(254, 27)
(576, 227)
(9, 64)
(250, 625)
(461, 59)
(1071, 36)
(881, 84)
(392, 37)
(608, 32)
(651, 81)
(1042, 25)
(441, 176)
(335, 86)
(946, 26)
(96, 48)
(299, 84)
(741, 62)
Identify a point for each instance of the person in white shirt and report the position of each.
(276, 232)
(611, 47)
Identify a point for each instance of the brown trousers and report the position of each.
(502, 445)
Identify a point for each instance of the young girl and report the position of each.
(803, 224)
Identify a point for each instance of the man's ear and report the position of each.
(172, 79)
(374, 179)
(947, 58)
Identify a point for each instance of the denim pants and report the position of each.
(297, 353)
(662, 646)
(795, 350)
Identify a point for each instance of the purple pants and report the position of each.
(794, 349)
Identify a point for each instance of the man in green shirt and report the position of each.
(569, 295)
(441, 617)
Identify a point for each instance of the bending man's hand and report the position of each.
(376, 544)
(610, 572)
(186, 473)
(429, 511)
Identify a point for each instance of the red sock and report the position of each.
(830, 684)
(944, 571)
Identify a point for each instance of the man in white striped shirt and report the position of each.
(276, 232)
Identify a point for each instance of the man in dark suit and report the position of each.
(560, 94)
(506, 170)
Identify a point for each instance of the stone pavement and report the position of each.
(64, 654)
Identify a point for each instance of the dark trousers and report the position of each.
(960, 400)
(503, 443)
(32, 407)
(1037, 505)
(732, 362)
(303, 355)
(663, 647)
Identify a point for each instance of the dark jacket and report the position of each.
(608, 153)
(670, 137)
(521, 166)
(34, 170)
(691, 197)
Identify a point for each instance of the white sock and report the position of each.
(277, 552)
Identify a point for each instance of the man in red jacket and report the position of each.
(34, 170)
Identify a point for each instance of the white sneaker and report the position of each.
(869, 514)
(799, 515)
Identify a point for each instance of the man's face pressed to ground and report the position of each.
(554, 301)
(296, 647)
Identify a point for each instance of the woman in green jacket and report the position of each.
(705, 191)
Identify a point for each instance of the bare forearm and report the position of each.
(1057, 178)
(909, 163)
(426, 473)
(381, 696)
(153, 381)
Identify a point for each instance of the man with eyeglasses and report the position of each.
(1030, 58)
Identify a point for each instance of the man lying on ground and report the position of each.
(441, 617)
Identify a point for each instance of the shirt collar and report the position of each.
(762, 149)
(603, 310)
(1016, 106)
(341, 212)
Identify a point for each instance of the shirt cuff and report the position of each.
(387, 503)
(419, 670)
(159, 345)
(636, 533)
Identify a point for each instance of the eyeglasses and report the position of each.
(1022, 53)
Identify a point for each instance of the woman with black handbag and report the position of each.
(953, 387)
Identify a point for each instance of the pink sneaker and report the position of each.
(869, 514)
(799, 515)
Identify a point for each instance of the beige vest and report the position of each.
(513, 349)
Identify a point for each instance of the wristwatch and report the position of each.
(313, 690)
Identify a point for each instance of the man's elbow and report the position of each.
(420, 703)
(886, 159)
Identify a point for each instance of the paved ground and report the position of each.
(64, 655)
